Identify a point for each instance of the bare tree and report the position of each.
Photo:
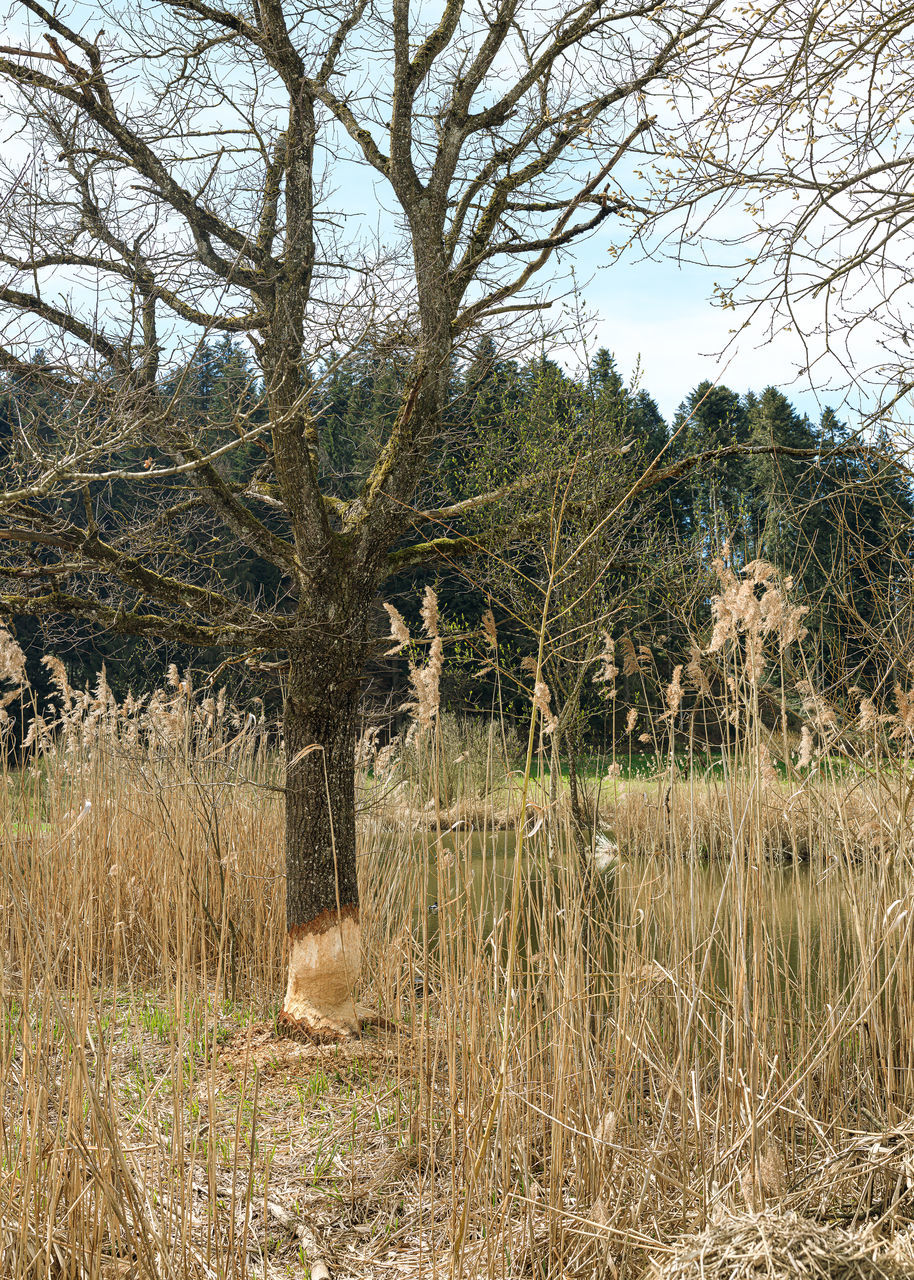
(175, 181)
(808, 125)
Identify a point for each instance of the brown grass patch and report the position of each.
(720, 1019)
(780, 1246)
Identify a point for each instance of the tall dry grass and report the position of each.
(583, 1057)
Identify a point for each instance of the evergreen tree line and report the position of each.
(573, 444)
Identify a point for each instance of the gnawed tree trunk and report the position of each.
(322, 895)
(461, 124)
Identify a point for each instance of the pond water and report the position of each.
(806, 965)
(810, 933)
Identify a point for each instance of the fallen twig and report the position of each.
(306, 1238)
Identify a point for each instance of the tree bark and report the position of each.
(322, 896)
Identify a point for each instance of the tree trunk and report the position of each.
(322, 896)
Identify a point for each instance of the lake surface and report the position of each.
(798, 936)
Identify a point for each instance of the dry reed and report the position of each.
(712, 1018)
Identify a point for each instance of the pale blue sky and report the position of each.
(657, 310)
(661, 312)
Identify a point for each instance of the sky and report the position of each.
(657, 316)
(653, 314)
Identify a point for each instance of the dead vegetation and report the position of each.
(576, 1063)
(749, 1246)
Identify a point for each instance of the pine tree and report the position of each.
(709, 507)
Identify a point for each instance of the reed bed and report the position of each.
(588, 1051)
